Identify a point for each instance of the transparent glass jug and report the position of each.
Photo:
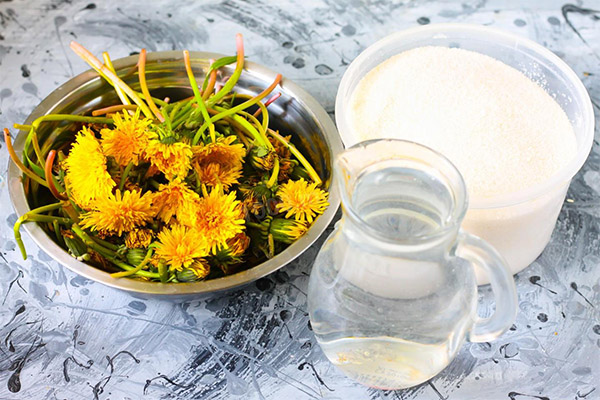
(392, 294)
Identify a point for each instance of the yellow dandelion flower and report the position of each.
(302, 200)
(128, 139)
(223, 152)
(179, 246)
(200, 268)
(119, 212)
(238, 244)
(216, 174)
(87, 177)
(174, 198)
(172, 159)
(218, 218)
(219, 163)
(138, 238)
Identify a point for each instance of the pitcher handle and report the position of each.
(484, 256)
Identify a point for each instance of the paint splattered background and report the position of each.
(65, 337)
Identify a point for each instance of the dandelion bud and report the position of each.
(186, 275)
(76, 247)
(261, 158)
(238, 244)
(135, 256)
(200, 268)
(300, 173)
(286, 230)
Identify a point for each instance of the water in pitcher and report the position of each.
(395, 203)
(385, 362)
(392, 294)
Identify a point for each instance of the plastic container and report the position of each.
(518, 224)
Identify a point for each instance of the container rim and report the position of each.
(559, 179)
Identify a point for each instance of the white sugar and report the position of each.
(502, 130)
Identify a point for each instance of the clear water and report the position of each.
(385, 362)
(402, 203)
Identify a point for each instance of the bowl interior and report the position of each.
(533, 60)
(295, 113)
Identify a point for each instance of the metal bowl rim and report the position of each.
(45, 243)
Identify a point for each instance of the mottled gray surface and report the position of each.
(65, 337)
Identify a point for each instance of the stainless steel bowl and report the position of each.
(295, 112)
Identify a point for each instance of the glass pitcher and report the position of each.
(392, 294)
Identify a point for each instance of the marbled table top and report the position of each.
(65, 337)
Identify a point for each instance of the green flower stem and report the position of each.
(109, 65)
(135, 270)
(183, 115)
(274, 175)
(104, 243)
(267, 103)
(110, 76)
(175, 109)
(309, 168)
(221, 62)
(33, 216)
(154, 183)
(113, 109)
(254, 225)
(167, 119)
(260, 127)
(247, 103)
(256, 134)
(241, 136)
(59, 237)
(209, 88)
(18, 239)
(46, 208)
(244, 135)
(265, 115)
(18, 162)
(144, 86)
(22, 127)
(158, 101)
(69, 117)
(199, 100)
(271, 243)
(72, 210)
(163, 272)
(46, 218)
(127, 267)
(52, 184)
(37, 150)
(263, 141)
(239, 66)
(89, 242)
(128, 169)
(28, 162)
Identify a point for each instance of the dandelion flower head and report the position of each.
(302, 200)
(128, 139)
(119, 212)
(179, 246)
(86, 175)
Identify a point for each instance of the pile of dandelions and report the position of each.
(170, 191)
